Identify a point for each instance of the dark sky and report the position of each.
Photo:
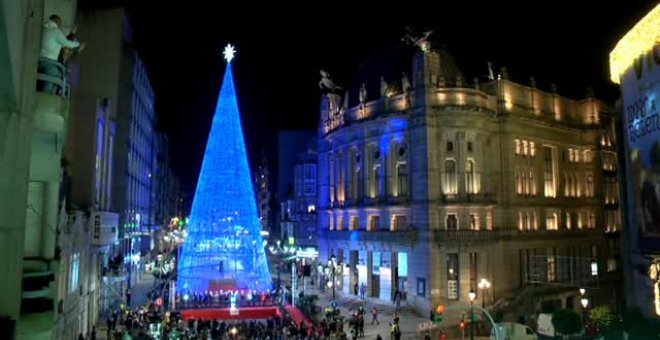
(282, 49)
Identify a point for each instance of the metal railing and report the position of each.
(52, 77)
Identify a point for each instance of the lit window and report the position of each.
(594, 268)
(354, 223)
(373, 224)
(517, 146)
(525, 148)
(551, 221)
(451, 186)
(340, 223)
(474, 222)
(470, 180)
(549, 171)
(398, 222)
(532, 149)
(311, 208)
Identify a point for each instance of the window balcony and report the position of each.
(52, 78)
(467, 236)
(468, 198)
(51, 98)
(385, 236)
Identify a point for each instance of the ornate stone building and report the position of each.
(431, 183)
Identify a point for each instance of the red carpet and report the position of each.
(296, 315)
(224, 313)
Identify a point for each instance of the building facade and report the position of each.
(634, 65)
(429, 184)
(166, 183)
(298, 216)
(33, 131)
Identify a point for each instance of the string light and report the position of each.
(224, 225)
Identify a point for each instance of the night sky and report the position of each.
(282, 49)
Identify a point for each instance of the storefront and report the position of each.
(635, 65)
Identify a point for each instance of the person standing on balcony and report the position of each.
(52, 42)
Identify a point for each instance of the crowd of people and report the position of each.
(226, 299)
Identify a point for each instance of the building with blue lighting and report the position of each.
(429, 184)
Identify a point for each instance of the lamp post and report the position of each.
(472, 295)
(585, 302)
(332, 263)
(483, 285)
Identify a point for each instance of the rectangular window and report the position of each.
(474, 222)
(374, 222)
(549, 172)
(402, 263)
(402, 179)
(452, 276)
(74, 272)
(375, 260)
(451, 222)
(517, 146)
(552, 265)
(532, 149)
(473, 272)
(421, 287)
(551, 221)
(398, 222)
(469, 146)
(450, 146)
(98, 160)
(451, 185)
(354, 223)
(310, 172)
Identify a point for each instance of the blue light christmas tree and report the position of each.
(224, 248)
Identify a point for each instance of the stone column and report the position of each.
(50, 220)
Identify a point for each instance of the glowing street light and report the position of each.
(584, 302)
(483, 285)
(582, 291)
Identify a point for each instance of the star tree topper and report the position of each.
(229, 53)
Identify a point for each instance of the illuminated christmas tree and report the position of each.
(224, 248)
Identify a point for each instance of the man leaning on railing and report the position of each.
(52, 42)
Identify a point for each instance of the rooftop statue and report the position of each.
(422, 41)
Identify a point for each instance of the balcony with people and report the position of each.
(54, 75)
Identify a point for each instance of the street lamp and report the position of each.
(585, 302)
(332, 263)
(472, 295)
(483, 285)
(582, 291)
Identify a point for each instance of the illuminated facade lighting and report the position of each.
(638, 41)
